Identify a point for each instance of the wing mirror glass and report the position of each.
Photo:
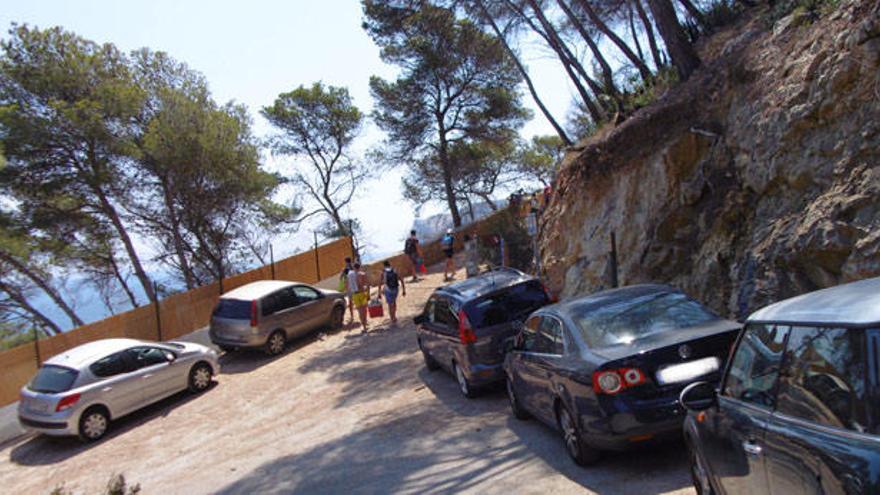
(698, 396)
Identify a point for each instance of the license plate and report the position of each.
(37, 406)
(682, 372)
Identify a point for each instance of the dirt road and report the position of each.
(338, 413)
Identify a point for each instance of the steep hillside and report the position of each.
(757, 179)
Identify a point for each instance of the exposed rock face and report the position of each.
(756, 180)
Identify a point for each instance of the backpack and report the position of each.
(447, 241)
(410, 246)
(391, 279)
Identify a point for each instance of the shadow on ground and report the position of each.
(42, 450)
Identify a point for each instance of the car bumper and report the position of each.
(644, 421)
(243, 341)
(59, 424)
(485, 374)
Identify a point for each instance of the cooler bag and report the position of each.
(375, 309)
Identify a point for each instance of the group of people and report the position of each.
(355, 283)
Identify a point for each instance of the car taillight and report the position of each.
(613, 381)
(253, 313)
(465, 332)
(67, 402)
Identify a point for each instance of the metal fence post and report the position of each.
(272, 260)
(158, 312)
(317, 261)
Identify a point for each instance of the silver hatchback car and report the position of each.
(81, 390)
(265, 314)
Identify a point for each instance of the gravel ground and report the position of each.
(338, 413)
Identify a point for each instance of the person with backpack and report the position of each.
(389, 286)
(414, 252)
(448, 243)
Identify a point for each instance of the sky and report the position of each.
(252, 51)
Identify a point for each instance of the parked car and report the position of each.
(265, 314)
(464, 325)
(798, 410)
(81, 390)
(606, 369)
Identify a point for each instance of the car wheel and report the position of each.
(200, 377)
(93, 424)
(515, 407)
(699, 475)
(581, 453)
(463, 384)
(430, 364)
(275, 343)
(337, 317)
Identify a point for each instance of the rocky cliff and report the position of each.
(757, 179)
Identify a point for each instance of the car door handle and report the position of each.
(106, 389)
(751, 448)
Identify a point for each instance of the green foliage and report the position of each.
(811, 10)
(540, 159)
(517, 242)
(721, 13)
(456, 98)
(14, 334)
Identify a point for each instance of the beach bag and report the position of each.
(447, 241)
(375, 308)
(342, 284)
(420, 264)
(391, 279)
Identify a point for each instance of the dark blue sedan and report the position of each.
(606, 369)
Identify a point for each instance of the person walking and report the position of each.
(448, 244)
(344, 287)
(389, 286)
(358, 280)
(414, 252)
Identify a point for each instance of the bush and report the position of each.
(517, 241)
(116, 485)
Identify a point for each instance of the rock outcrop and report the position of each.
(757, 179)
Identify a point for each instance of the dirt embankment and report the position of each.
(757, 179)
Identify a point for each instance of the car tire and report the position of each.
(200, 377)
(464, 386)
(430, 364)
(699, 475)
(337, 317)
(515, 407)
(276, 343)
(581, 453)
(93, 424)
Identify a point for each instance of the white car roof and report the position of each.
(256, 290)
(856, 303)
(85, 354)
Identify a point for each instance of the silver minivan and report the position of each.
(265, 314)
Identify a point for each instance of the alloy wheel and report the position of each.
(276, 343)
(462, 382)
(569, 432)
(202, 377)
(94, 426)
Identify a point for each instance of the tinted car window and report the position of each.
(529, 334)
(51, 379)
(443, 314)
(630, 319)
(549, 337)
(305, 294)
(508, 305)
(114, 364)
(824, 377)
(755, 366)
(233, 309)
(148, 356)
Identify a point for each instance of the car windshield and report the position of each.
(631, 319)
(233, 309)
(52, 379)
(508, 305)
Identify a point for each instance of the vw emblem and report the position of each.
(685, 351)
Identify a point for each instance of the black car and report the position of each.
(464, 325)
(798, 410)
(607, 369)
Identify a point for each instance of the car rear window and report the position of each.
(233, 309)
(51, 379)
(514, 303)
(631, 319)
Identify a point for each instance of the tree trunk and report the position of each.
(601, 26)
(570, 63)
(522, 70)
(649, 32)
(635, 34)
(607, 73)
(122, 282)
(447, 173)
(694, 12)
(42, 284)
(23, 303)
(177, 239)
(683, 55)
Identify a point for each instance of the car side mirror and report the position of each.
(170, 356)
(698, 396)
(419, 320)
